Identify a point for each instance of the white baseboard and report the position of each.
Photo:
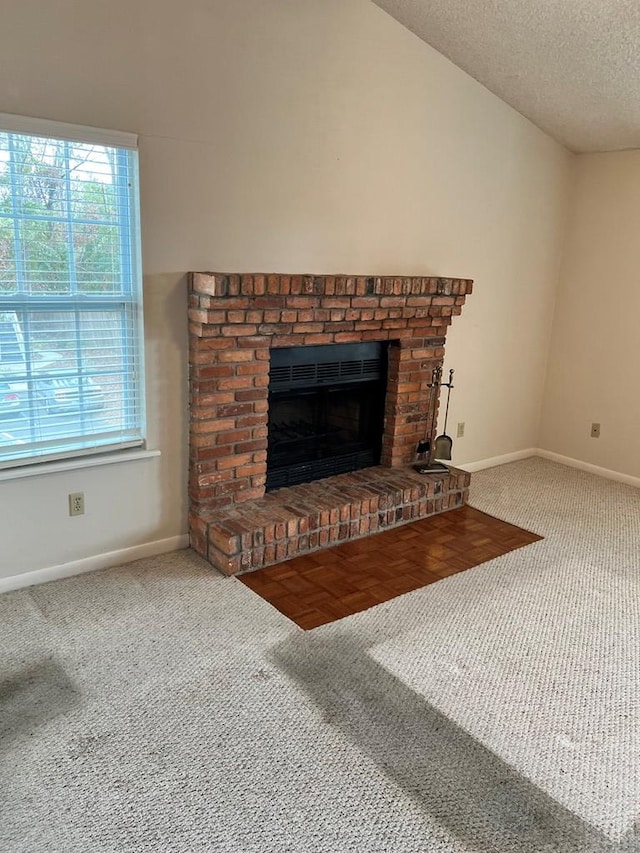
(494, 461)
(175, 543)
(92, 564)
(618, 476)
(516, 456)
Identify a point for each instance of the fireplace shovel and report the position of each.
(443, 443)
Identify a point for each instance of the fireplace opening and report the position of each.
(326, 411)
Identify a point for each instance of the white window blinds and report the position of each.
(71, 377)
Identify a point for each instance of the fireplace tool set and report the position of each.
(429, 451)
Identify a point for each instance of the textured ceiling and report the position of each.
(571, 66)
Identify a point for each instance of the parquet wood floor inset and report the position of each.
(327, 585)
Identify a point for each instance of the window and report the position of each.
(71, 378)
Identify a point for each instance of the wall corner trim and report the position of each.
(494, 461)
(618, 476)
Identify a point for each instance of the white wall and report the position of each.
(594, 364)
(302, 136)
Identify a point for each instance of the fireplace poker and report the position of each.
(428, 466)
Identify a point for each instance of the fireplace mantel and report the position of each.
(234, 322)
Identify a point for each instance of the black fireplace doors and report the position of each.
(326, 410)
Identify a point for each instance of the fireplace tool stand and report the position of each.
(426, 449)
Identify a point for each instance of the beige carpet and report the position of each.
(161, 707)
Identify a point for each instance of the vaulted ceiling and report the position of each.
(571, 66)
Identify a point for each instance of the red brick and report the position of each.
(348, 337)
(251, 420)
(378, 334)
(235, 435)
(236, 331)
(307, 328)
(303, 302)
(236, 383)
(212, 371)
(241, 459)
(231, 487)
(208, 283)
(213, 343)
(216, 452)
(365, 302)
(236, 356)
(217, 425)
(310, 340)
(223, 539)
(253, 394)
(275, 329)
(250, 470)
(267, 302)
(286, 341)
(234, 409)
(258, 367)
(213, 478)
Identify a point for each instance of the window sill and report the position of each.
(38, 470)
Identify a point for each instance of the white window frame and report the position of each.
(134, 436)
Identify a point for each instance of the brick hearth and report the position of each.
(303, 518)
(234, 321)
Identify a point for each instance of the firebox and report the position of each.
(326, 410)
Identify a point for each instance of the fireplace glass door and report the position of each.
(326, 411)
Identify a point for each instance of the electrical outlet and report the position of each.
(461, 429)
(595, 430)
(76, 503)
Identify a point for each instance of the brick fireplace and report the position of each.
(235, 321)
